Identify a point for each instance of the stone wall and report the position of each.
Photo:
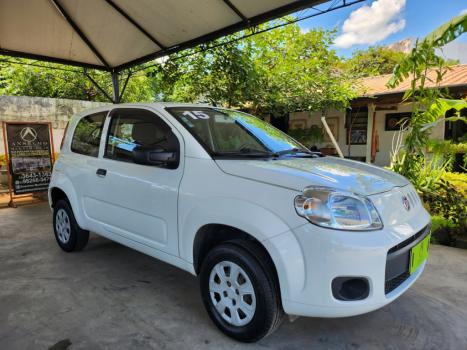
(40, 109)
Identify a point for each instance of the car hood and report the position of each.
(297, 173)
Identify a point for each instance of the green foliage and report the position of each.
(308, 137)
(2, 160)
(223, 75)
(447, 149)
(458, 181)
(429, 105)
(376, 60)
(443, 231)
(59, 81)
(438, 222)
(277, 72)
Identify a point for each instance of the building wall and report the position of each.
(41, 109)
(385, 137)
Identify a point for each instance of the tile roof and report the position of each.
(455, 76)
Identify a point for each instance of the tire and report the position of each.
(255, 288)
(70, 237)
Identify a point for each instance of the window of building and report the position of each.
(357, 126)
(87, 135)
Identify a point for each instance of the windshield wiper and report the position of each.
(246, 152)
(295, 151)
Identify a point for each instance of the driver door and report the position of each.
(137, 202)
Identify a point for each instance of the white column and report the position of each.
(369, 132)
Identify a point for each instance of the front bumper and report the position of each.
(380, 257)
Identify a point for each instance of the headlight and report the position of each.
(336, 209)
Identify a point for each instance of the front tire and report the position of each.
(240, 291)
(70, 237)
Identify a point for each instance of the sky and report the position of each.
(382, 22)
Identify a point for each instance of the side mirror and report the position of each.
(155, 156)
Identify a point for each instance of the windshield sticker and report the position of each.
(196, 115)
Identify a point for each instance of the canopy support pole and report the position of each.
(115, 88)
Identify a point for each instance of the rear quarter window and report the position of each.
(87, 135)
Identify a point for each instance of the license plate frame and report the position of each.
(419, 254)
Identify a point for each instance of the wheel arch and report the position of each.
(211, 235)
(62, 188)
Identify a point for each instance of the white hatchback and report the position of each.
(268, 226)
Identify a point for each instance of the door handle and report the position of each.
(101, 172)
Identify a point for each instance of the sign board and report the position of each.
(29, 155)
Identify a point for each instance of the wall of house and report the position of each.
(41, 109)
(306, 119)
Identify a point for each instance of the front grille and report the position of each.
(395, 282)
(398, 260)
(407, 241)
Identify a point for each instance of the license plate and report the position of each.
(419, 254)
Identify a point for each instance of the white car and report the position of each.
(268, 226)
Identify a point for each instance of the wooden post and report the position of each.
(331, 136)
(7, 160)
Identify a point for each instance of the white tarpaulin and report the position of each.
(115, 34)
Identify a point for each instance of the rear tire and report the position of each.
(240, 291)
(70, 237)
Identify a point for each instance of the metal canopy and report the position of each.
(113, 35)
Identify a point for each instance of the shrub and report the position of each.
(442, 230)
(458, 181)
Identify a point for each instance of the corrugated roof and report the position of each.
(373, 86)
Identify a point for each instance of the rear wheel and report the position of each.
(240, 292)
(70, 237)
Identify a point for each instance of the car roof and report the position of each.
(155, 105)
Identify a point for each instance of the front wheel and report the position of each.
(240, 292)
(70, 237)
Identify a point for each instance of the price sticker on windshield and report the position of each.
(196, 115)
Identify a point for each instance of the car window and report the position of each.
(225, 132)
(87, 135)
(130, 128)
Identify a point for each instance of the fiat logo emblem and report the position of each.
(406, 203)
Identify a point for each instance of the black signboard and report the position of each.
(30, 157)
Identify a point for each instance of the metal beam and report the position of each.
(78, 31)
(236, 10)
(253, 21)
(42, 58)
(136, 24)
(98, 87)
(125, 85)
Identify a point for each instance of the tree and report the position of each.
(299, 71)
(222, 75)
(59, 81)
(376, 60)
(429, 106)
(277, 72)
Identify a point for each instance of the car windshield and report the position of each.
(230, 133)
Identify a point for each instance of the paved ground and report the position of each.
(111, 297)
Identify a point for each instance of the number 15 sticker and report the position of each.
(196, 114)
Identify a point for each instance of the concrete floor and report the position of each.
(111, 297)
